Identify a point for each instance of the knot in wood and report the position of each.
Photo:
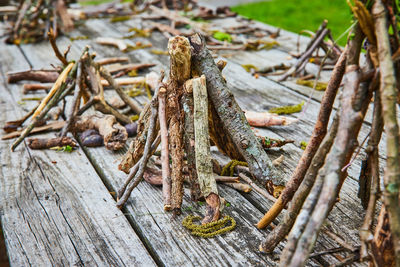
(244, 144)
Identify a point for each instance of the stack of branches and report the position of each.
(35, 18)
(314, 187)
(183, 117)
(85, 79)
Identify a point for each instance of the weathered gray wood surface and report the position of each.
(54, 208)
(72, 198)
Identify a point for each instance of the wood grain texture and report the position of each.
(54, 208)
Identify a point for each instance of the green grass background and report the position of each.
(297, 15)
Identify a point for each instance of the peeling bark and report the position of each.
(179, 50)
(188, 108)
(208, 185)
(233, 119)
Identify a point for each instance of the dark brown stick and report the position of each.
(283, 228)
(33, 87)
(354, 102)
(44, 76)
(53, 43)
(316, 138)
(74, 107)
(45, 143)
(54, 126)
(373, 166)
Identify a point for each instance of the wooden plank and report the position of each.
(54, 208)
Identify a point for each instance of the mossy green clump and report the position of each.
(210, 229)
(134, 92)
(66, 148)
(303, 145)
(249, 67)
(321, 86)
(229, 168)
(287, 109)
(159, 52)
(119, 19)
(139, 32)
(137, 46)
(78, 38)
(133, 73)
(134, 117)
(222, 36)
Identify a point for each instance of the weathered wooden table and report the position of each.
(59, 208)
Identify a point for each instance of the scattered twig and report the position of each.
(54, 126)
(44, 76)
(265, 119)
(263, 192)
(57, 52)
(137, 176)
(45, 143)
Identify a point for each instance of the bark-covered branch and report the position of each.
(232, 117)
(389, 95)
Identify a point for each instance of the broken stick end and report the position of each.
(167, 207)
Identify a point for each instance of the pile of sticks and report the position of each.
(85, 79)
(182, 116)
(314, 186)
(35, 19)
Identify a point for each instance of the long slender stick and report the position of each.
(47, 108)
(263, 192)
(146, 155)
(57, 52)
(74, 107)
(355, 99)
(389, 95)
(166, 172)
(318, 134)
(208, 185)
(283, 228)
(373, 164)
(135, 107)
(60, 80)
